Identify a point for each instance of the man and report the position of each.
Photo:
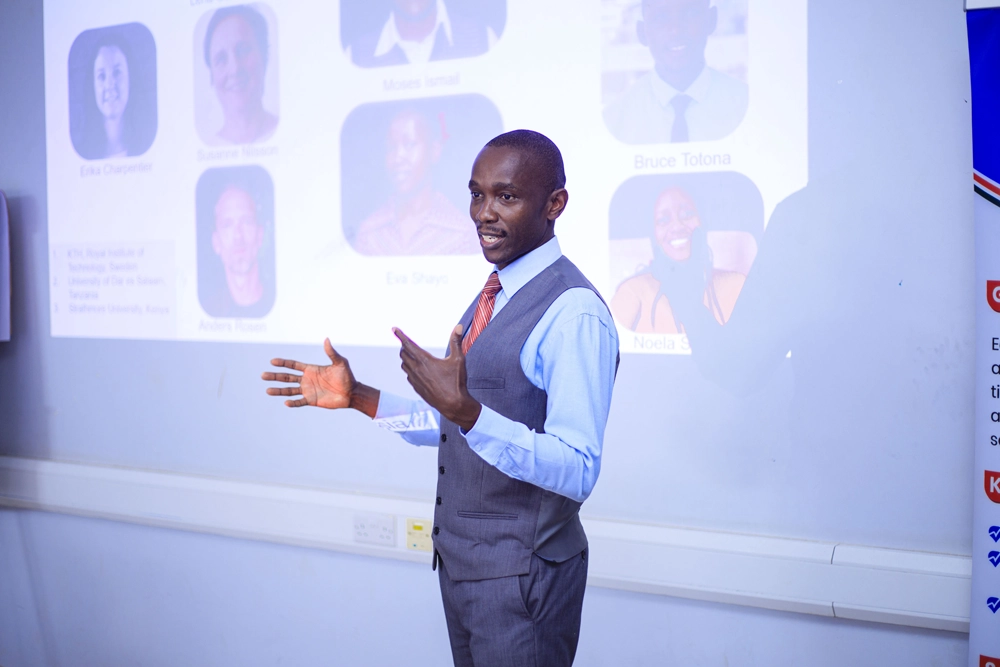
(517, 409)
(682, 99)
(237, 239)
(417, 219)
(418, 31)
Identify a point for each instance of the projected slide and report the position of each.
(285, 171)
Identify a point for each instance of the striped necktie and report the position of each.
(484, 310)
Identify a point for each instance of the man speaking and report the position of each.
(517, 409)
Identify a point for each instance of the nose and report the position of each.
(230, 67)
(485, 213)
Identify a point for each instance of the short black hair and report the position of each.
(543, 153)
(257, 23)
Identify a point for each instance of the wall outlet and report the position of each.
(377, 529)
(418, 535)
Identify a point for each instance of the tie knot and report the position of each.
(680, 102)
(492, 284)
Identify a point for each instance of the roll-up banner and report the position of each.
(983, 21)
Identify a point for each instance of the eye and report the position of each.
(507, 196)
(475, 195)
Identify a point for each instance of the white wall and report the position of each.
(80, 592)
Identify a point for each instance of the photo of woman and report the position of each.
(681, 246)
(236, 48)
(112, 77)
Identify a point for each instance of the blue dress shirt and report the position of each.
(571, 355)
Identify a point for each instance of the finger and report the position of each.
(280, 377)
(297, 404)
(406, 354)
(455, 344)
(407, 363)
(403, 338)
(408, 345)
(284, 391)
(330, 352)
(289, 363)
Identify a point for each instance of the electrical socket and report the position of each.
(418, 535)
(377, 529)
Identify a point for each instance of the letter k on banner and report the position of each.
(992, 483)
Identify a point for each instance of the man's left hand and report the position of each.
(441, 382)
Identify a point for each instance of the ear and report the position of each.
(557, 204)
(640, 31)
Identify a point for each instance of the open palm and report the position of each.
(320, 386)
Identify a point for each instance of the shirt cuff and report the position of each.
(390, 405)
(490, 435)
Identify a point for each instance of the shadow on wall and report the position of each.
(24, 409)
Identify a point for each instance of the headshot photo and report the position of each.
(235, 222)
(674, 71)
(379, 33)
(680, 243)
(405, 170)
(236, 75)
(112, 92)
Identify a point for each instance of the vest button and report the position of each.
(444, 437)
(437, 530)
(441, 470)
(439, 500)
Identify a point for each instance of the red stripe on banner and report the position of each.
(985, 183)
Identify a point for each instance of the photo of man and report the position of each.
(688, 260)
(417, 219)
(236, 75)
(401, 194)
(683, 97)
(400, 32)
(236, 249)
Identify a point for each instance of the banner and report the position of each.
(984, 59)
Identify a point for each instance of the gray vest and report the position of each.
(486, 524)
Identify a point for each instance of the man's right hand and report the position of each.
(330, 387)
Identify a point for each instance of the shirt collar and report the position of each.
(519, 273)
(389, 37)
(697, 91)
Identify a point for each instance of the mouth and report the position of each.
(680, 243)
(677, 48)
(236, 84)
(490, 240)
